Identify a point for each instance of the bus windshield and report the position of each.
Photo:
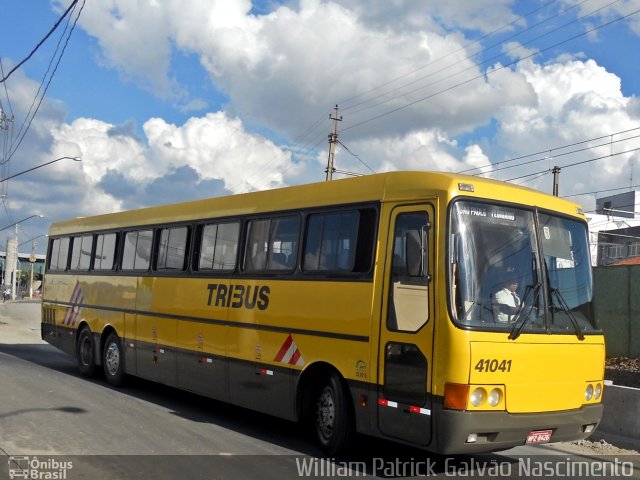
(509, 275)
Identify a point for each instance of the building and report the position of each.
(27, 264)
(615, 230)
(623, 205)
(619, 247)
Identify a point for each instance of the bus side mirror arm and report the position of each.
(418, 252)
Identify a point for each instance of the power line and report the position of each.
(48, 82)
(551, 150)
(591, 147)
(519, 18)
(619, 206)
(477, 65)
(53, 29)
(359, 159)
(577, 163)
(468, 45)
(601, 191)
(540, 175)
(444, 57)
(487, 61)
(497, 69)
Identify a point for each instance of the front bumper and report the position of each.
(502, 430)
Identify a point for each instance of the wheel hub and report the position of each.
(112, 359)
(325, 413)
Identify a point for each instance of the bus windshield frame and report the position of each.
(518, 269)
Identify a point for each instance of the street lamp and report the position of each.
(75, 159)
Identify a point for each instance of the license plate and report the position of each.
(539, 436)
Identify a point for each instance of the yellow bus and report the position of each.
(448, 312)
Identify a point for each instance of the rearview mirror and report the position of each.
(417, 253)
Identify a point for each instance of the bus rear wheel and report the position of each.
(113, 360)
(85, 353)
(333, 417)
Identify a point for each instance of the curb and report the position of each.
(621, 407)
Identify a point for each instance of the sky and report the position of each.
(172, 100)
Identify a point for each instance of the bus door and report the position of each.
(406, 330)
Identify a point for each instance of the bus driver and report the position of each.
(506, 301)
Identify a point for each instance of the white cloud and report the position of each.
(206, 156)
(606, 11)
(575, 101)
(217, 147)
(284, 68)
(420, 150)
(481, 15)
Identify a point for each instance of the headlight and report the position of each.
(494, 397)
(588, 394)
(598, 391)
(478, 396)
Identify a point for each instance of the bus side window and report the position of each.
(172, 249)
(272, 244)
(59, 254)
(136, 254)
(105, 254)
(340, 242)
(81, 248)
(219, 246)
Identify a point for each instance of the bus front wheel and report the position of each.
(85, 353)
(333, 417)
(113, 360)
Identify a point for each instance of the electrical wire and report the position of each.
(540, 175)
(619, 206)
(601, 191)
(359, 159)
(466, 46)
(48, 83)
(556, 156)
(488, 165)
(35, 49)
(495, 70)
(463, 48)
(577, 163)
(379, 87)
(476, 65)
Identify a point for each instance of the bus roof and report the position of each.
(383, 187)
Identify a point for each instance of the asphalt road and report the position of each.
(60, 425)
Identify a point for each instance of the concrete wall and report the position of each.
(617, 308)
(621, 407)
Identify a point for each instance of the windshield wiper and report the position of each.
(535, 288)
(517, 328)
(565, 308)
(563, 304)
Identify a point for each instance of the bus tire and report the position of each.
(113, 360)
(86, 352)
(333, 418)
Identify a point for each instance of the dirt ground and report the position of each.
(623, 371)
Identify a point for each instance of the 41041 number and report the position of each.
(493, 365)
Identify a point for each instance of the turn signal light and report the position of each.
(455, 396)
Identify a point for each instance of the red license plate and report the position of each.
(539, 436)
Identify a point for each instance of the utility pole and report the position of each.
(14, 283)
(333, 139)
(556, 179)
(32, 259)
